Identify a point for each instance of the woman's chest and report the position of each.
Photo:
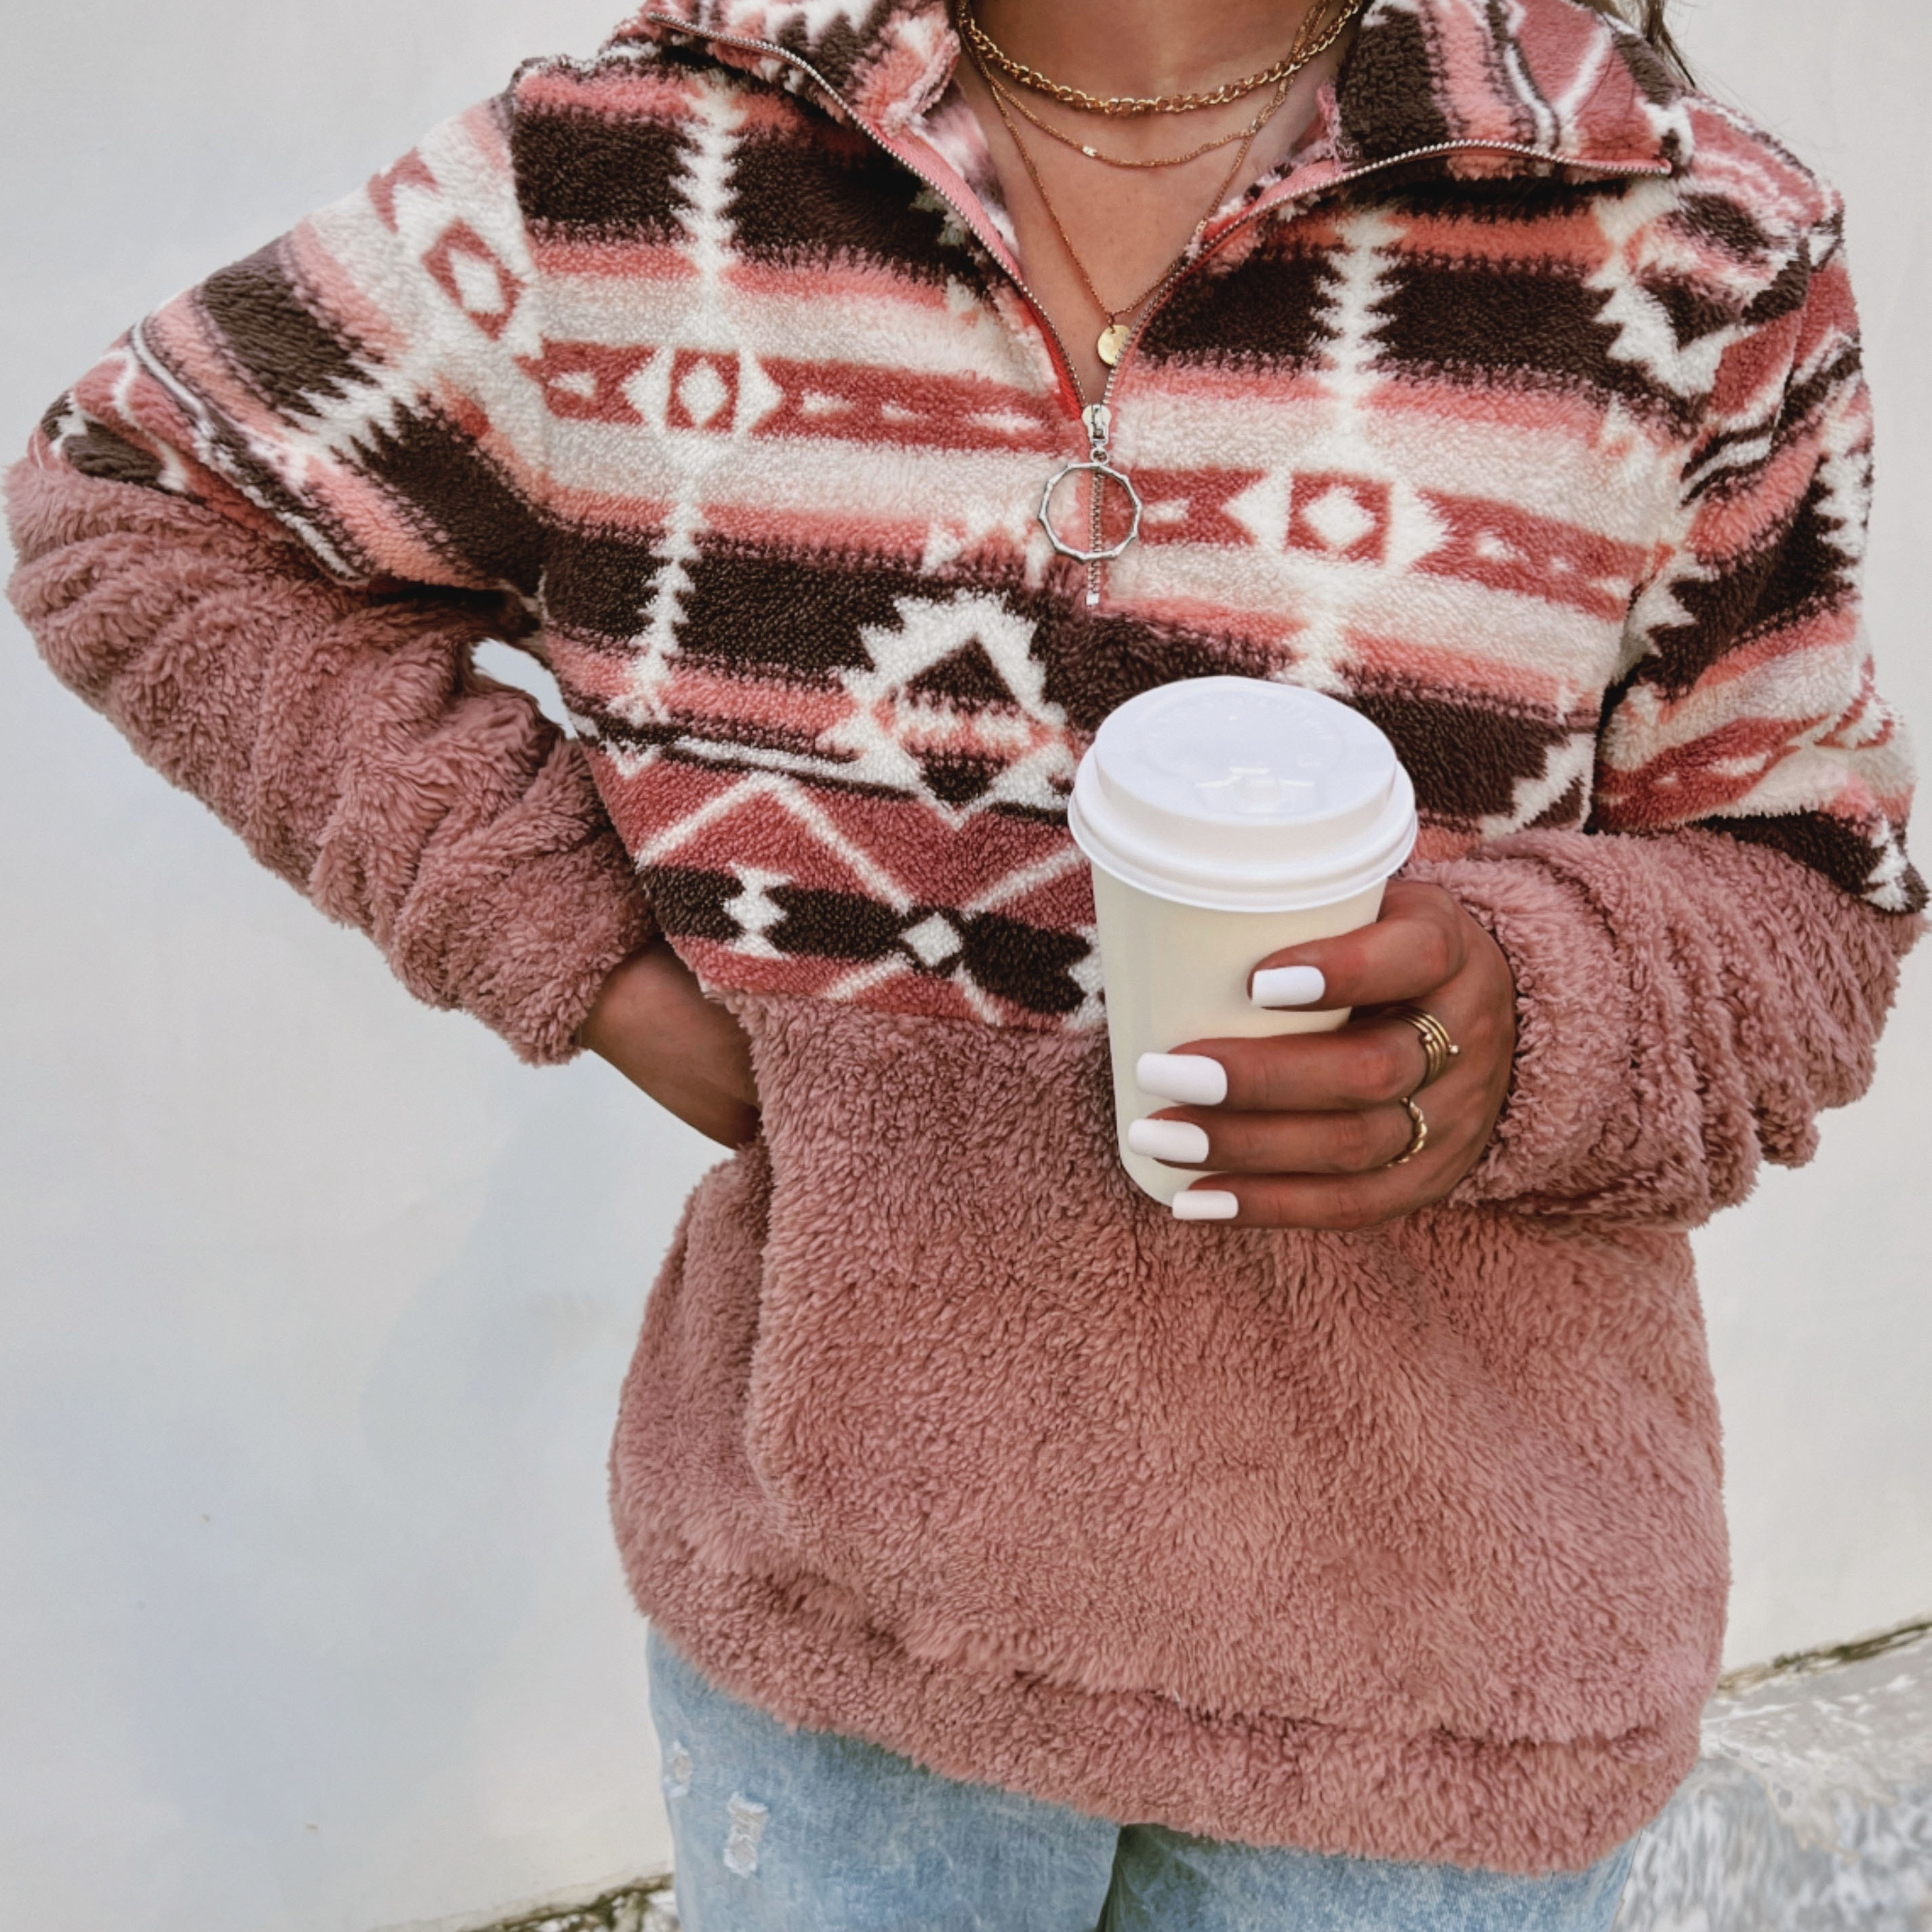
(837, 669)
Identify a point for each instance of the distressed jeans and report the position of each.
(775, 1830)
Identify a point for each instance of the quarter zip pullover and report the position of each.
(1523, 411)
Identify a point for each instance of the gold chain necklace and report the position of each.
(988, 49)
(998, 89)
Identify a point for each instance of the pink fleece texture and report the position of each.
(347, 737)
(1687, 1005)
(1407, 1543)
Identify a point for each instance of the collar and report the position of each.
(883, 62)
(1554, 78)
(1480, 84)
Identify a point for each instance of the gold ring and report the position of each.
(1437, 1046)
(1417, 1141)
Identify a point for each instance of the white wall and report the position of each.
(316, 1303)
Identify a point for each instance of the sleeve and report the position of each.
(264, 535)
(1709, 963)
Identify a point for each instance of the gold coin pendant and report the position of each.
(1113, 340)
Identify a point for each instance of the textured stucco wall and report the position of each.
(316, 1303)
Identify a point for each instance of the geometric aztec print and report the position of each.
(1521, 410)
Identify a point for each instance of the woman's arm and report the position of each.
(652, 1022)
(346, 737)
(1688, 1003)
(264, 535)
(1711, 965)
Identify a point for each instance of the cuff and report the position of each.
(1597, 1068)
(525, 940)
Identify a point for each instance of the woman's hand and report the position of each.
(1308, 1124)
(653, 1024)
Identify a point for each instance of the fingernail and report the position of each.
(1180, 1141)
(1206, 1203)
(1192, 1078)
(1289, 986)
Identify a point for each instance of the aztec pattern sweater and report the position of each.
(1523, 411)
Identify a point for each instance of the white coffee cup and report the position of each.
(1226, 818)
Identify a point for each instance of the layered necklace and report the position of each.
(1003, 75)
(1305, 49)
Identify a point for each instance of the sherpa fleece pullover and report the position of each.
(1523, 411)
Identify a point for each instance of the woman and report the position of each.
(1019, 1553)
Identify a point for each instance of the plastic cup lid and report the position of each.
(1242, 796)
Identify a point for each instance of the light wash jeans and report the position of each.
(782, 1831)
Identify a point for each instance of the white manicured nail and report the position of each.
(1206, 1203)
(1191, 1078)
(1180, 1141)
(1289, 986)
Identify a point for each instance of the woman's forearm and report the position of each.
(346, 737)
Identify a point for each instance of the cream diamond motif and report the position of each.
(756, 912)
(480, 282)
(890, 730)
(935, 939)
(704, 392)
(1339, 519)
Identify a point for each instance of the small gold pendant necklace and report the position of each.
(1310, 45)
(1112, 342)
(1119, 332)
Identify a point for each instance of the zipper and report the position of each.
(1097, 418)
(991, 243)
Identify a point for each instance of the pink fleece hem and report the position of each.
(1514, 1806)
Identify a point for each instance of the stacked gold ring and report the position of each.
(1438, 1048)
(1418, 1137)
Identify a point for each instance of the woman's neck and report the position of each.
(1143, 47)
